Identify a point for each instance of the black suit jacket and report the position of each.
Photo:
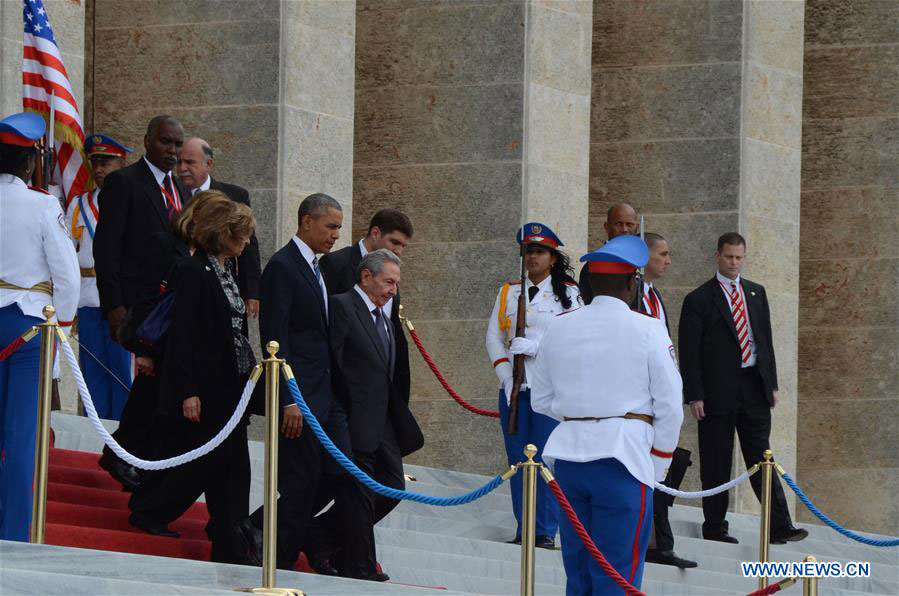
(199, 354)
(709, 349)
(249, 267)
(339, 271)
(131, 211)
(292, 312)
(365, 373)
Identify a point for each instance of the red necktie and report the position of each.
(654, 308)
(738, 310)
(172, 203)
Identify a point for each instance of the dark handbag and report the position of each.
(155, 328)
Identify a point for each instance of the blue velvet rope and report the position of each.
(310, 421)
(848, 533)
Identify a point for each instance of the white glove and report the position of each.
(507, 388)
(523, 345)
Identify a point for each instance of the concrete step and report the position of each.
(52, 569)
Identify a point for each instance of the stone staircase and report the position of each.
(459, 549)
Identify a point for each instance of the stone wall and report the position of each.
(849, 267)
(469, 117)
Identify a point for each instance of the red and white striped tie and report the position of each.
(738, 310)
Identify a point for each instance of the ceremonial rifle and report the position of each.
(638, 299)
(518, 359)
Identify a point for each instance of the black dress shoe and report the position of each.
(125, 474)
(152, 527)
(375, 577)
(516, 540)
(321, 565)
(252, 538)
(668, 557)
(545, 542)
(721, 536)
(788, 534)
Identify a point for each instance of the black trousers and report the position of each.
(664, 537)
(752, 422)
(136, 428)
(308, 478)
(354, 536)
(223, 474)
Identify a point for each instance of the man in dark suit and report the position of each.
(295, 312)
(195, 171)
(661, 551)
(621, 219)
(137, 202)
(382, 429)
(730, 381)
(390, 229)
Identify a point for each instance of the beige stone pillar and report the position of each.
(469, 117)
(695, 121)
(849, 269)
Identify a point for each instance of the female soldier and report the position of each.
(550, 291)
(38, 267)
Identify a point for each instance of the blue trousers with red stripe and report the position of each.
(532, 428)
(18, 423)
(616, 509)
(108, 394)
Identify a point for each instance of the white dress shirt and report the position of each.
(603, 361)
(309, 255)
(79, 227)
(726, 281)
(205, 186)
(539, 314)
(647, 300)
(387, 308)
(34, 248)
(160, 179)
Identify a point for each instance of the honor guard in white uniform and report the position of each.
(105, 363)
(609, 375)
(38, 267)
(550, 291)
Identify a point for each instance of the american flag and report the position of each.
(44, 75)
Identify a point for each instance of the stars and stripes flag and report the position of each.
(44, 79)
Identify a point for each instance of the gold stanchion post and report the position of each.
(810, 584)
(767, 468)
(528, 519)
(42, 438)
(273, 367)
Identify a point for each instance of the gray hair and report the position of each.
(316, 205)
(375, 261)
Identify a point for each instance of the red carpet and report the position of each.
(88, 509)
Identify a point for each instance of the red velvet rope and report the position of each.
(589, 544)
(443, 381)
(775, 587)
(8, 350)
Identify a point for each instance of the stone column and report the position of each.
(771, 141)
(695, 121)
(213, 65)
(849, 267)
(470, 117)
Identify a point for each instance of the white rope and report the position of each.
(704, 493)
(144, 464)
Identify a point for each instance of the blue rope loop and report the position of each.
(310, 421)
(848, 533)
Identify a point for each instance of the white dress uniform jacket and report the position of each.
(35, 248)
(603, 360)
(540, 313)
(80, 220)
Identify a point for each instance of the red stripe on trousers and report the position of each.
(636, 559)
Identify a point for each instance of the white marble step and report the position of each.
(63, 566)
